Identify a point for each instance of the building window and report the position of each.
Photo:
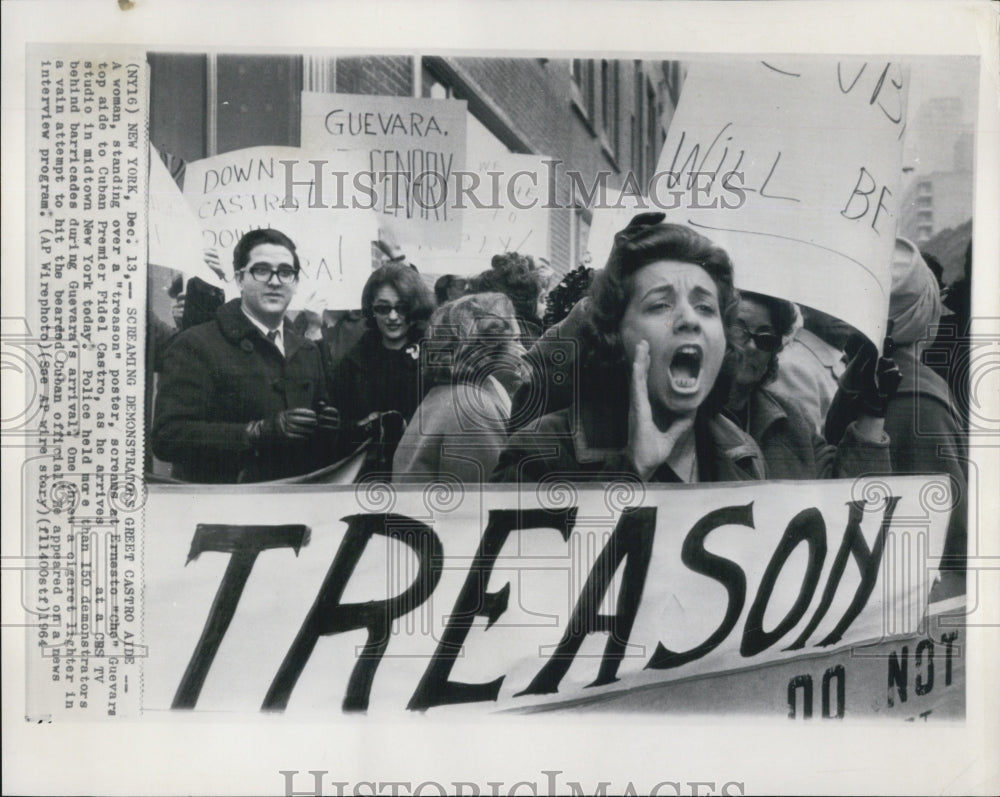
(228, 102)
(579, 230)
(638, 100)
(609, 104)
(583, 93)
(482, 144)
(257, 101)
(652, 143)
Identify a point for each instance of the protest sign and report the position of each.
(175, 237)
(793, 166)
(504, 210)
(915, 677)
(380, 600)
(412, 146)
(327, 217)
(608, 220)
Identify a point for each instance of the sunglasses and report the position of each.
(386, 308)
(764, 341)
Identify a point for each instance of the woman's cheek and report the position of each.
(629, 340)
(715, 339)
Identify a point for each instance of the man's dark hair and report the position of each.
(241, 254)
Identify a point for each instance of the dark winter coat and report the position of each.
(218, 377)
(373, 379)
(927, 437)
(585, 443)
(793, 450)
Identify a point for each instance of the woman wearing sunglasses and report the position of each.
(376, 386)
(791, 447)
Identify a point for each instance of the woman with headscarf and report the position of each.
(655, 372)
(458, 430)
(376, 386)
(921, 417)
(787, 437)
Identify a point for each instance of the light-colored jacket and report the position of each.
(457, 432)
(808, 370)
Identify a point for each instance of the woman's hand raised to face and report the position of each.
(648, 445)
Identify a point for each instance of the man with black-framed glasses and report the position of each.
(244, 397)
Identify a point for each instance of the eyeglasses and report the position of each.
(764, 341)
(286, 274)
(386, 308)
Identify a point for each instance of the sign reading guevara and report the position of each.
(423, 599)
(413, 150)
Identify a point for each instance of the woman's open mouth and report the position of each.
(685, 368)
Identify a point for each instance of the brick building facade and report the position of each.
(596, 118)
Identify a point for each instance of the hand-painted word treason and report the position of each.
(630, 544)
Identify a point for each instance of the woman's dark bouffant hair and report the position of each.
(411, 288)
(514, 276)
(647, 240)
(783, 317)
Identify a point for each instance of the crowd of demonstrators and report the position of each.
(460, 426)
(654, 368)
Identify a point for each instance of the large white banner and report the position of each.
(413, 148)
(793, 166)
(327, 214)
(504, 599)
